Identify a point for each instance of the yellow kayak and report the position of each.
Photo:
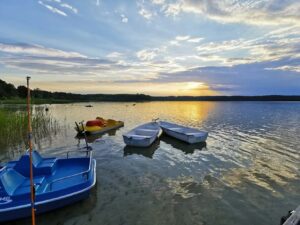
(99, 125)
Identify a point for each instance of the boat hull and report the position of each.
(146, 142)
(91, 130)
(42, 208)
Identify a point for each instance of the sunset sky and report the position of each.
(157, 47)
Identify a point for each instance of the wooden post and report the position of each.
(32, 191)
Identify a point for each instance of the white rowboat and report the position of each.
(186, 134)
(142, 136)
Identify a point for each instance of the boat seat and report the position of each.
(36, 180)
(11, 164)
(11, 180)
(41, 166)
(135, 136)
(24, 188)
(145, 132)
(144, 129)
(195, 133)
(175, 128)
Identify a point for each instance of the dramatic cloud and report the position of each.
(244, 77)
(210, 47)
(248, 11)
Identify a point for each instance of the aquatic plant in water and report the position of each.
(13, 126)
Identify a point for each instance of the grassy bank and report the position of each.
(13, 127)
(36, 101)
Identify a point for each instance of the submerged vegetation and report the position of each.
(13, 126)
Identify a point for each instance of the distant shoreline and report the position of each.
(9, 94)
(265, 98)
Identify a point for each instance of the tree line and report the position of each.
(8, 91)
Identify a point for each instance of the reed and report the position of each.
(13, 126)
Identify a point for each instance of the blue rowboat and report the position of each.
(58, 182)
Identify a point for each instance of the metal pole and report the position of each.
(30, 154)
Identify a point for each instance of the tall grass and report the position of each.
(13, 127)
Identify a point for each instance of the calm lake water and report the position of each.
(247, 174)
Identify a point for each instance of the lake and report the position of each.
(246, 174)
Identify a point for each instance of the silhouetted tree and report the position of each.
(22, 91)
(7, 90)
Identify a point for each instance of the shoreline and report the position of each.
(267, 98)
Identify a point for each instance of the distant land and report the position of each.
(12, 95)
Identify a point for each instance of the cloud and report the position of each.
(114, 55)
(182, 38)
(145, 13)
(287, 68)
(187, 38)
(195, 40)
(243, 78)
(174, 42)
(158, 2)
(124, 18)
(147, 54)
(247, 11)
(37, 50)
(272, 46)
(53, 9)
(73, 9)
(172, 9)
(42, 60)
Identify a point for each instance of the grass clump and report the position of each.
(14, 130)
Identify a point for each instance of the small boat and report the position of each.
(57, 182)
(98, 126)
(186, 134)
(143, 135)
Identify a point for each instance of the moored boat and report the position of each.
(183, 133)
(98, 126)
(143, 135)
(57, 182)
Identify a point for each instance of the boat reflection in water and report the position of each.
(147, 152)
(186, 148)
(92, 138)
(63, 215)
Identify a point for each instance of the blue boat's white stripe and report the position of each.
(54, 199)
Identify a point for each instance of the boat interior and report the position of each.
(50, 174)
